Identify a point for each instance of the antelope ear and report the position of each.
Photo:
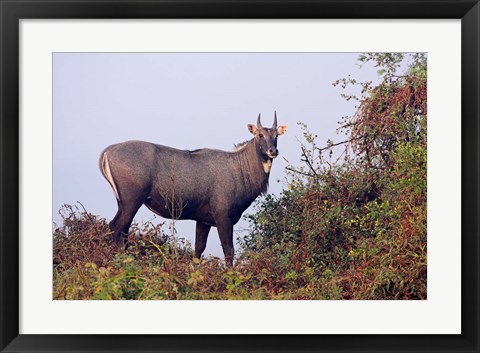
(252, 128)
(282, 129)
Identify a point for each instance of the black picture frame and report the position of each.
(12, 11)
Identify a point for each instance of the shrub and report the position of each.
(354, 227)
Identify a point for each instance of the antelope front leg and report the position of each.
(225, 231)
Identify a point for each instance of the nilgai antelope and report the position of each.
(209, 186)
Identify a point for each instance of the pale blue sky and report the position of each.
(187, 101)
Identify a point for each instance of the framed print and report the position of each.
(134, 218)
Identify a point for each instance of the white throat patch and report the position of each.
(267, 166)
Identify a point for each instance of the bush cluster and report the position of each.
(353, 226)
(86, 265)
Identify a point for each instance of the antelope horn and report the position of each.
(259, 124)
(275, 121)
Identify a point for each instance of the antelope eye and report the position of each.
(261, 135)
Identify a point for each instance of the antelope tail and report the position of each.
(107, 173)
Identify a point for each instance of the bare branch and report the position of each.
(308, 161)
(338, 143)
(299, 172)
